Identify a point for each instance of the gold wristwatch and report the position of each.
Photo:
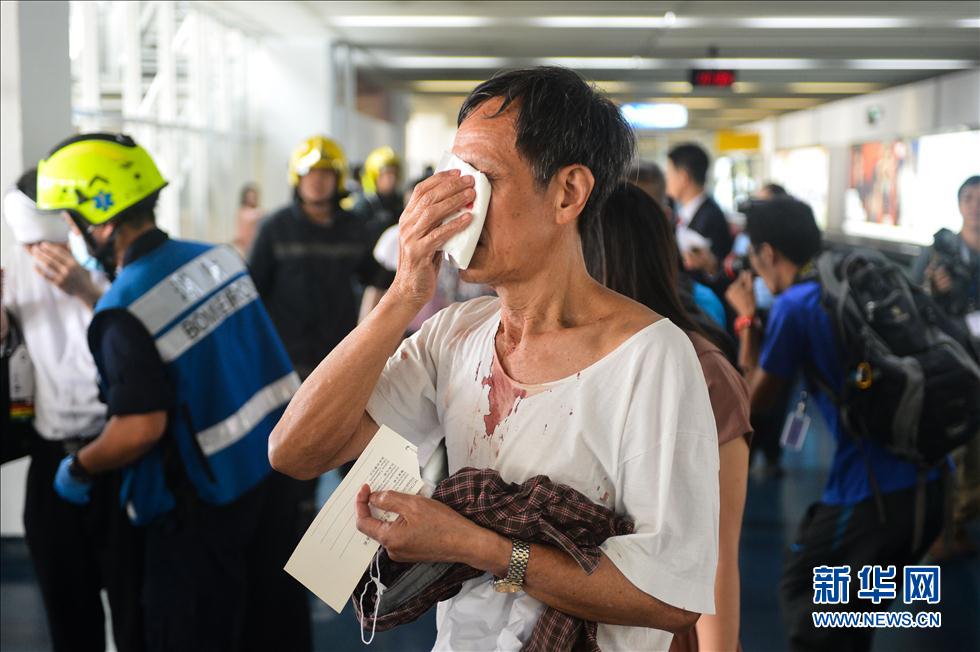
(520, 555)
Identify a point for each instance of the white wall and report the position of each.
(293, 85)
(427, 136)
(296, 91)
(947, 103)
(35, 100)
(10, 153)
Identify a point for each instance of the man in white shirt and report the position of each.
(557, 376)
(77, 550)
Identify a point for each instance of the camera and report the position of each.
(735, 265)
(946, 253)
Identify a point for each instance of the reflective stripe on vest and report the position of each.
(200, 323)
(227, 432)
(186, 286)
(175, 294)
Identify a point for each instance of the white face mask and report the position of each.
(76, 243)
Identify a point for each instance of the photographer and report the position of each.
(950, 268)
(950, 271)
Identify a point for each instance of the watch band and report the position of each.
(520, 555)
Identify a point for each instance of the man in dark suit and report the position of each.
(687, 170)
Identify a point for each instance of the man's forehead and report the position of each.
(486, 138)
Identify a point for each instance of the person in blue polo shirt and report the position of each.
(845, 527)
(194, 377)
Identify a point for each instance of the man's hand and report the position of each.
(422, 233)
(741, 296)
(427, 530)
(702, 260)
(56, 264)
(939, 279)
(71, 488)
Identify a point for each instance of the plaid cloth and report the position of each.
(539, 511)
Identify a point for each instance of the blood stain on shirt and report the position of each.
(503, 398)
(404, 355)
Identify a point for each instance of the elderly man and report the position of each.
(558, 376)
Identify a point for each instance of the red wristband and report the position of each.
(742, 322)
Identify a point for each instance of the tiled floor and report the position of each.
(774, 506)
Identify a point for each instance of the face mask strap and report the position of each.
(375, 573)
(105, 254)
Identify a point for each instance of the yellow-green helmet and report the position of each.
(376, 161)
(318, 152)
(97, 177)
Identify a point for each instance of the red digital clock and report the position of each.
(714, 78)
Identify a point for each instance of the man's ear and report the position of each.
(574, 185)
(106, 230)
(769, 255)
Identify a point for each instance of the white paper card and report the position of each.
(333, 555)
(688, 239)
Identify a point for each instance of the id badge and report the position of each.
(796, 426)
(973, 323)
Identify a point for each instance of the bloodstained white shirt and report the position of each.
(634, 431)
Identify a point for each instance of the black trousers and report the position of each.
(214, 580)
(837, 535)
(77, 550)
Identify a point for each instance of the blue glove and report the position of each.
(69, 486)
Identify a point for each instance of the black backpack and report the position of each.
(911, 383)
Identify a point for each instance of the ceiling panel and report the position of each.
(812, 51)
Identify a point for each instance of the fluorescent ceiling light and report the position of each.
(743, 112)
(437, 62)
(655, 116)
(832, 88)
(910, 64)
(619, 87)
(396, 61)
(445, 85)
(692, 103)
(746, 87)
(610, 22)
(668, 21)
(825, 22)
(782, 103)
(409, 21)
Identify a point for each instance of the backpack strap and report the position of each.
(919, 517)
(949, 503)
(875, 490)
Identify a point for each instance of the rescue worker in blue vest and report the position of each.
(194, 377)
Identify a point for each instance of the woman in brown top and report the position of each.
(632, 250)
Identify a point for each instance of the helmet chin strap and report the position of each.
(105, 253)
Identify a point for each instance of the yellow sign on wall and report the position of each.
(743, 141)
